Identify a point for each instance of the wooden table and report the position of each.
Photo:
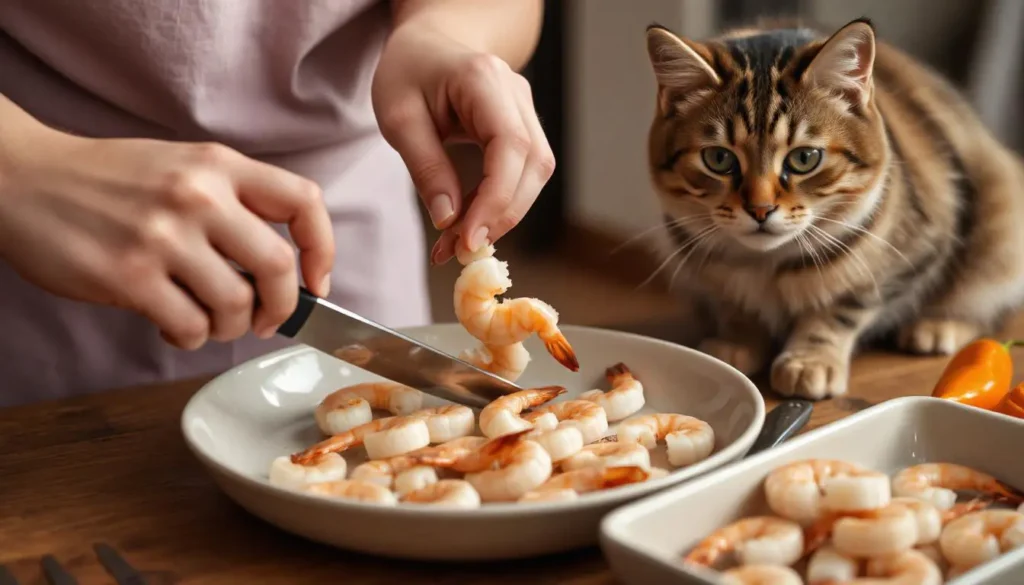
(113, 467)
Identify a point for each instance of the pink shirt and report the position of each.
(283, 81)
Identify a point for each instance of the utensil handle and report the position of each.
(294, 323)
(784, 421)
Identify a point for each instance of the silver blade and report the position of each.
(398, 358)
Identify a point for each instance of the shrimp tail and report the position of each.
(818, 533)
(559, 348)
(1008, 494)
(334, 444)
(964, 508)
(614, 373)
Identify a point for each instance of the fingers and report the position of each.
(181, 321)
(411, 131)
(226, 296)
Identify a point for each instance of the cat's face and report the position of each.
(762, 140)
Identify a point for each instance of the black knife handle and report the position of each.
(294, 323)
(784, 421)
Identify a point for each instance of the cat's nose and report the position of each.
(761, 212)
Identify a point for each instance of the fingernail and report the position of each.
(325, 285)
(441, 210)
(478, 239)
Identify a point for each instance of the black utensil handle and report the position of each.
(784, 421)
(294, 323)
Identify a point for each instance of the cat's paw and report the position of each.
(745, 357)
(810, 373)
(937, 336)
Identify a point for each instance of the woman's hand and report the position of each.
(429, 88)
(150, 226)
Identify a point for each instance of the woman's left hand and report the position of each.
(430, 88)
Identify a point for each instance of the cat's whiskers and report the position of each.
(855, 256)
(696, 245)
(868, 233)
(678, 222)
(682, 248)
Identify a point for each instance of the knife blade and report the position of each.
(387, 353)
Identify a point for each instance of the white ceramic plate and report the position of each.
(644, 541)
(240, 421)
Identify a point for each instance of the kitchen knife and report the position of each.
(784, 421)
(375, 348)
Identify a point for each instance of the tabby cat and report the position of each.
(821, 191)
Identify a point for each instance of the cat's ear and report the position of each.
(679, 67)
(845, 62)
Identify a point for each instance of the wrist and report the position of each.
(25, 143)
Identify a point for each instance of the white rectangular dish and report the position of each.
(644, 542)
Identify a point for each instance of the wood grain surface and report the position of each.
(113, 467)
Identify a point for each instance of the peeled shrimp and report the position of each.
(351, 406)
(688, 439)
(499, 323)
(757, 540)
(761, 575)
(448, 493)
(609, 454)
(502, 469)
(445, 423)
(561, 442)
(568, 485)
(413, 479)
(353, 489)
(938, 483)
(383, 438)
(827, 565)
(868, 533)
(327, 467)
(626, 396)
(801, 490)
(399, 473)
(927, 516)
(588, 417)
(501, 415)
(908, 567)
(979, 537)
(505, 361)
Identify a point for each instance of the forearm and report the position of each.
(21, 136)
(508, 29)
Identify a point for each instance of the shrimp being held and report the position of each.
(609, 454)
(568, 485)
(626, 396)
(687, 439)
(498, 323)
(327, 467)
(801, 490)
(756, 540)
(505, 361)
(383, 438)
(351, 406)
(979, 537)
(939, 482)
(588, 417)
(449, 493)
(501, 415)
(761, 575)
(353, 489)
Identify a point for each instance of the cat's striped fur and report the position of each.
(912, 223)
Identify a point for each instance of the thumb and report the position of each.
(410, 130)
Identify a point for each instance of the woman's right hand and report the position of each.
(151, 226)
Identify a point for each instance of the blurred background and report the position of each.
(581, 248)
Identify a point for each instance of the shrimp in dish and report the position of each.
(382, 438)
(939, 482)
(587, 416)
(327, 467)
(761, 575)
(353, 489)
(756, 540)
(801, 490)
(561, 442)
(502, 415)
(626, 396)
(908, 567)
(351, 406)
(500, 323)
(448, 493)
(505, 361)
(979, 537)
(446, 423)
(867, 533)
(609, 454)
(401, 474)
(568, 485)
(828, 566)
(687, 439)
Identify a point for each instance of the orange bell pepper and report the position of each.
(1013, 403)
(978, 375)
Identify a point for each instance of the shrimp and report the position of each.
(610, 454)
(929, 519)
(570, 484)
(399, 473)
(827, 566)
(560, 443)
(353, 489)
(445, 423)
(939, 482)
(505, 361)
(979, 537)
(625, 398)
(908, 567)
(756, 540)
(350, 407)
(449, 493)
(327, 467)
(502, 469)
(867, 533)
(413, 479)
(688, 439)
(761, 575)
(801, 490)
(588, 417)
(501, 415)
(383, 438)
(498, 323)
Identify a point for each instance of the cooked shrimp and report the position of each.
(609, 454)
(687, 439)
(399, 473)
(379, 472)
(502, 469)
(908, 567)
(939, 482)
(933, 552)
(327, 467)
(827, 566)
(448, 493)
(626, 396)
(349, 407)
(561, 442)
(928, 517)
(353, 489)
(761, 575)
(981, 536)
(867, 533)
(505, 361)
(757, 540)
(383, 438)
(445, 423)
(414, 478)
(588, 479)
(501, 415)
(799, 490)
(505, 322)
(588, 417)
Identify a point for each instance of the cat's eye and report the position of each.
(803, 160)
(719, 160)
